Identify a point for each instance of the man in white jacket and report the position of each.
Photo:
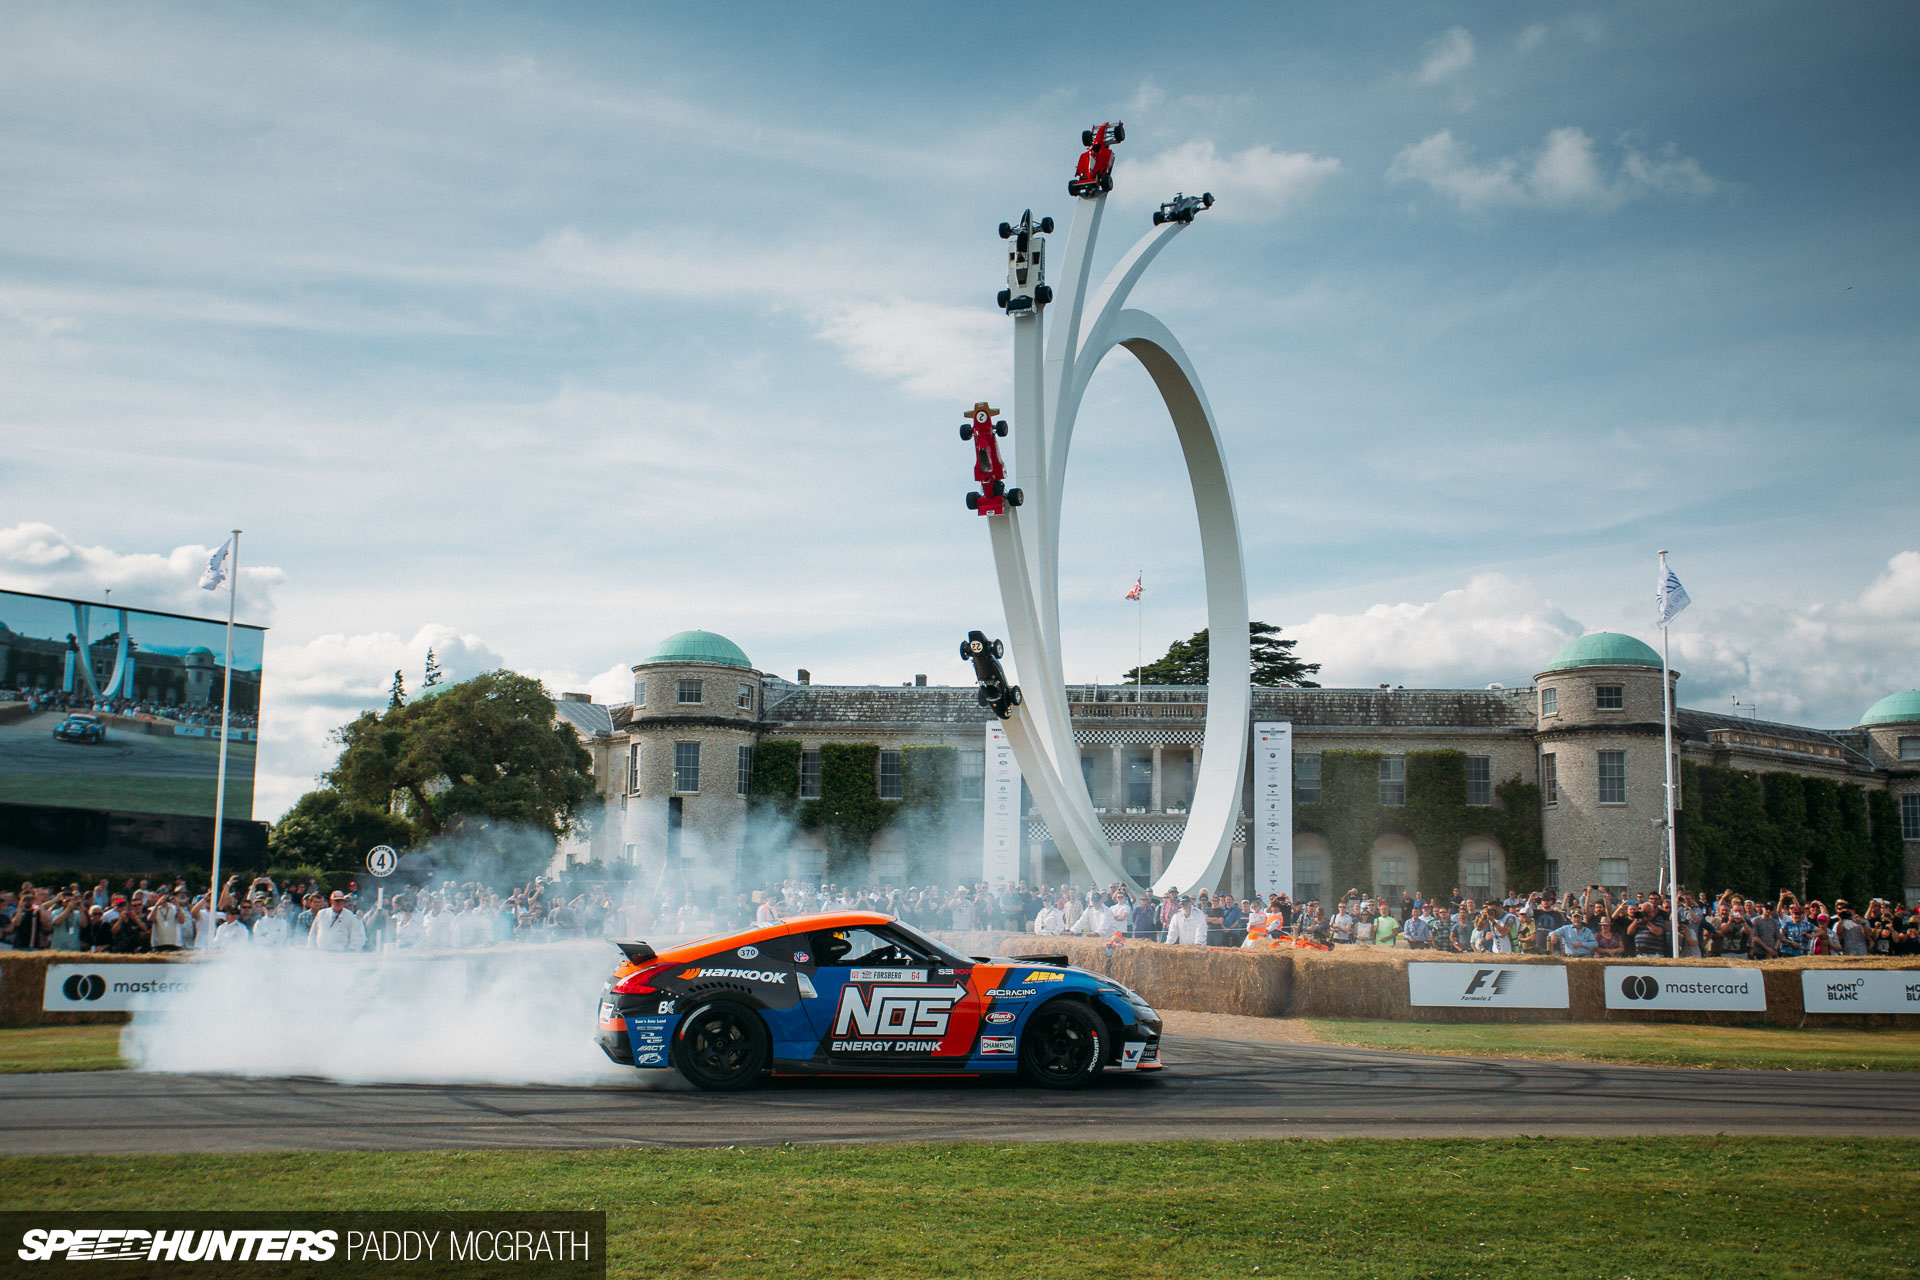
(1095, 920)
(336, 928)
(1187, 926)
(1051, 920)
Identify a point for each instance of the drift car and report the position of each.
(985, 656)
(80, 728)
(1093, 176)
(988, 468)
(1027, 287)
(859, 993)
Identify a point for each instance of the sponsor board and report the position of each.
(750, 975)
(1656, 987)
(887, 975)
(914, 1012)
(1044, 975)
(1495, 986)
(996, 1046)
(1000, 821)
(1860, 990)
(1272, 798)
(117, 988)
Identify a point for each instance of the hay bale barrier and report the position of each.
(23, 987)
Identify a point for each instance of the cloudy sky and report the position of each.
(535, 333)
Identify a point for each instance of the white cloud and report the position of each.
(1494, 628)
(1251, 185)
(1532, 38)
(1148, 96)
(938, 352)
(1565, 173)
(1446, 56)
(39, 558)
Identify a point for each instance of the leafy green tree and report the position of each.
(326, 830)
(1274, 663)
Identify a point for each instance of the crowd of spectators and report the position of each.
(39, 700)
(155, 915)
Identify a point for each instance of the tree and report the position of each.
(1274, 663)
(325, 829)
(397, 695)
(433, 670)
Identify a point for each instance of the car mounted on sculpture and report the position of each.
(985, 656)
(1093, 176)
(1182, 208)
(993, 497)
(1027, 289)
(80, 727)
(860, 993)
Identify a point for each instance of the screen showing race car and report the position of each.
(103, 707)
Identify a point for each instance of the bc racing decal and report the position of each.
(1010, 993)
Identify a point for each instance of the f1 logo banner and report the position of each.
(1657, 987)
(1860, 990)
(1493, 986)
(1273, 807)
(114, 988)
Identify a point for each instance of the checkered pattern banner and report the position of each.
(1142, 737)
(1126, 830)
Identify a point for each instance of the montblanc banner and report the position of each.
(1000, 845)
(115, 988)
(1491, 986)
(1633, 986)
(1272, 807)
(1860, 990)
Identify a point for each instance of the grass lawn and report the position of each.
(1500, 1208)
(1647, 1043)
(59, 1049)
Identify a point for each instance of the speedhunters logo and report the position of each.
(562, 1245)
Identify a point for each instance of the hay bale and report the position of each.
(23, 986)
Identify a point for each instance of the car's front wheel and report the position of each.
(721, 1046)
(1062, 1046)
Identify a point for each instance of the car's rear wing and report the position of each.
(638, 952)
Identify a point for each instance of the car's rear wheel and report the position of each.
(1062, 1046)
(966, 431)
(1086, 137)
(1119, 133)
(999, 649)
(721, 1046)
(1000, 428)
(1014, 697)
(973, 501)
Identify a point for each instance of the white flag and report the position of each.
(1670, 597)
(216, 566)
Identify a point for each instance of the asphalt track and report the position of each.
(29, 747)
(1216, 1089)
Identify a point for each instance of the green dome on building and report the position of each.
(699, 646)
(1604, 649)
(1895, 708)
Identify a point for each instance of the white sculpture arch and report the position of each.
(1049, 383)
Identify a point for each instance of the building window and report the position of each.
(743, 781)
(1393, 780)
(1306, 779)
(1476, 873)
(1910, 748)
(1549, 780)
(1139, 782)
(889, 775)
(1553, 875)
(1479, 779)
(889, 867)
(686, 766)
(1613, 875)
(1613, 777)
(633, 769)
(744, 698)
(1910, 817)
(809, 775)
(973, 775)
(688, 693)
(1609, 697)
(1309, 877)
(1393, 879)
(639, 691)
(1549, 702)
(1136, 859)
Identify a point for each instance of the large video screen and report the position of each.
(103, 707)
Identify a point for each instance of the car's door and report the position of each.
(883, 1003)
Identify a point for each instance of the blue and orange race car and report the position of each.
(860, 993)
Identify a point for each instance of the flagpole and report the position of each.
(1139, 637)
(226, 713)
(1666, 724)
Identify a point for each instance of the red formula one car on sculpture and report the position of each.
(860, 993)
(994, 496)
(1093, 176)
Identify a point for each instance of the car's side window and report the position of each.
(862, 948)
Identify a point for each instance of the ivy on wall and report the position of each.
(1760, 833)
(1436, 818)
(929, 785)
(774, 781)
(849, 809)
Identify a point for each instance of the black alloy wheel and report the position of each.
(1063, 1046)
(721, 1046)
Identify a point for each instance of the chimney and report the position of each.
(576, 697)
(919, 682)
(806, 676)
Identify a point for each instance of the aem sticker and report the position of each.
(1044, 975)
